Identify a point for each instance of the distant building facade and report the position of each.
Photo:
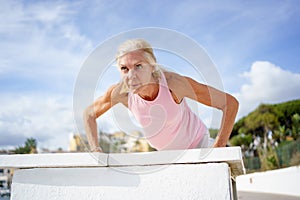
(118, 142)
(6, 175)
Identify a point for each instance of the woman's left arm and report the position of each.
(187, 87)
(217, 99)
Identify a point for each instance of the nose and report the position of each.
(131, 74)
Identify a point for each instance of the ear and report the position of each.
(156, 74)
(155, 67)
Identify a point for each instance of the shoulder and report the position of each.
(184, 86)
(178, 84)
(173, 78)
(176, 80)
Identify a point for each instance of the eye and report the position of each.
(139, 66)
(124, 69)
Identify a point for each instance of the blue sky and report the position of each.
(254, 45)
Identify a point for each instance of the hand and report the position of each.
(217, 144)
(97, 149)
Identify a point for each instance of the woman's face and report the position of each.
(136, 71)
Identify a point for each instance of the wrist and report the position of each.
(96, 149)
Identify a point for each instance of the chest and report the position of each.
(162, 110)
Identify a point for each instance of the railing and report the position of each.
(180, 174)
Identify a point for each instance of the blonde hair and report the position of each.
(134, 45)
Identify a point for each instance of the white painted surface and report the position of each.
(176, 181)
(283, 181)
(53, 160)
(181, 174)
(230, 155)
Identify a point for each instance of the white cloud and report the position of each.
(40, 40)
(49, 119)
(42, 51)
(267, 83)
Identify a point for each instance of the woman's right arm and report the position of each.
(92, 112)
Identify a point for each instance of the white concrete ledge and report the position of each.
(181, 174)
(230, 155)
(53, 160)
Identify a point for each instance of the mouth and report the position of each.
(134, 86)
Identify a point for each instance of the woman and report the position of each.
(157, 100)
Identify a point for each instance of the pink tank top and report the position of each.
(166, 124)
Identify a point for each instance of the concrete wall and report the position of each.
(188, 174)
(192, 181)
(283, 181)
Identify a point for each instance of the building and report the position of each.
(5, 178)
(118, 142)
(78, 143)
(6, 175)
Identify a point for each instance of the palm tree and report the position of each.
(29, 148)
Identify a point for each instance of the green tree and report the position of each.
(296, 126)
(240, 124)
(255, 124)
(213, 132)
(280, 134)
(277, 125)
(29, 148)
(285, 111)
(241, 140)
(268, 157)
(262, 120)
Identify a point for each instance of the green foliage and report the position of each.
(295, 126)
(268, 157)
(277, 130)
(280, 134)
(288, 152)
(268, 117)
(240, 124)
(295, 160)
(29, 148)
(213, 132)
(261, 120)
(286, 110)
(22, 150)
(241, 139)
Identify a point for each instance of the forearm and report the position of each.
(90, 126)
(227, 123)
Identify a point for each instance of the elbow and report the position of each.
(233, 104)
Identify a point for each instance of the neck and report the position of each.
(149, 92)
